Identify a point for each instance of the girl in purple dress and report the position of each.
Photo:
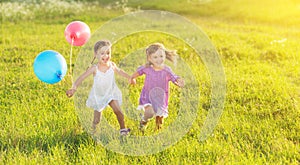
(155, 93)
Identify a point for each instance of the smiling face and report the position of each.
(157, 58)
(103, 54)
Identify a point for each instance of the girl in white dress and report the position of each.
(105, 90)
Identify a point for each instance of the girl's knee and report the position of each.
(115, 107)
(149, 110)
(159, 119)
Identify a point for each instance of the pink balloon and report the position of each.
(79, 32)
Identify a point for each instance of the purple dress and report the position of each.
(156, 89)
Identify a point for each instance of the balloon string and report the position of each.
(71, 61)
(91, 63)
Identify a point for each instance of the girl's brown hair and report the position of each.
(98, 45)
(171, 55)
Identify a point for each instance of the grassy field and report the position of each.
(258, 43)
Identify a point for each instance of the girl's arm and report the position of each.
(135, 75)
(123, 73)
(175, 79)
(120, 71)
(79, 80)
(179, 82)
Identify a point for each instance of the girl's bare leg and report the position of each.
(159, 121)
(118, 112)
(148, 114)
(97, 117)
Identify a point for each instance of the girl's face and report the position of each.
(158, 58)
(104, 54)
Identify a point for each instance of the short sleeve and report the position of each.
(173, 77)
(141, 70)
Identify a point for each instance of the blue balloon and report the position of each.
(50, 66)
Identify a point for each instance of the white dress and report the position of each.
(104, 90)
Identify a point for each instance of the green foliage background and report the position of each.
(258, 43)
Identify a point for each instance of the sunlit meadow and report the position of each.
(257, 41)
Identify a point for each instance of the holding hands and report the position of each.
(132, 81)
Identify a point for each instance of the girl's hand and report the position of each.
(132, 81)
(70, 92)
(180, 82)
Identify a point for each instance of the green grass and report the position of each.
(260, 123)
